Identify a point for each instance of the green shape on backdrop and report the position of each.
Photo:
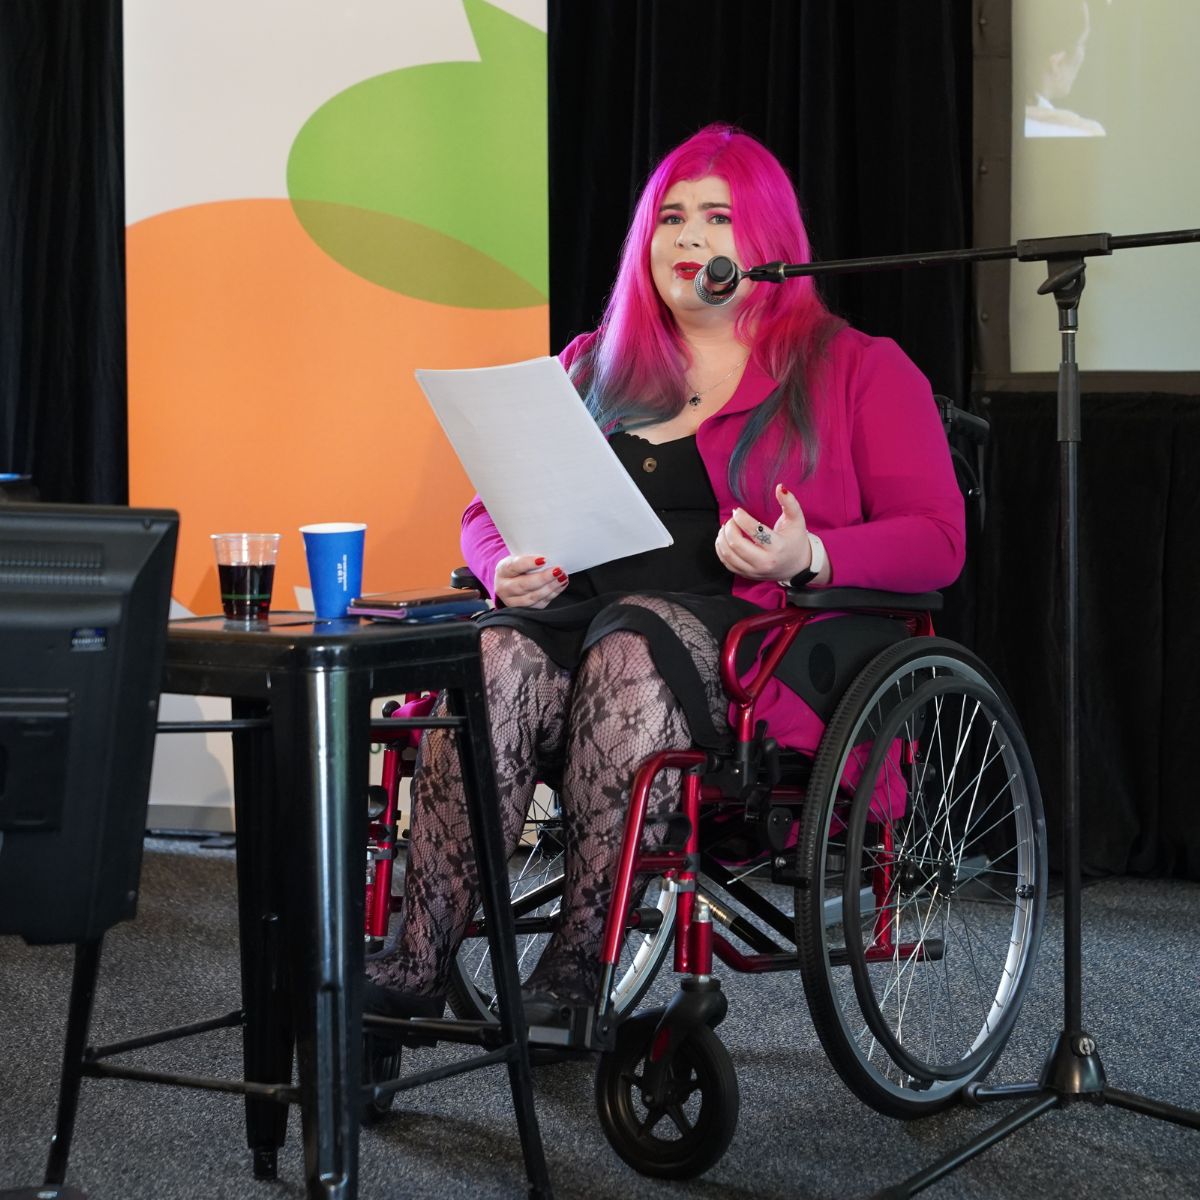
(455, 154)
(395, 253)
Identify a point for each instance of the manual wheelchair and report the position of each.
(912, 845)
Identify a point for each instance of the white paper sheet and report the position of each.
(541, 465)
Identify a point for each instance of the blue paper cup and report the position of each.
(335, 561)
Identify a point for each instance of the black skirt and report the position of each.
(566, 632)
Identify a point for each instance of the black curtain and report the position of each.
(868, 105)
(1139, 502)
(62, 249)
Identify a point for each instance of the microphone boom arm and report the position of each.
(1026, 250)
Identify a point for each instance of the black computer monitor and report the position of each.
(84, 597)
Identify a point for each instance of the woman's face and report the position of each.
(695, 223)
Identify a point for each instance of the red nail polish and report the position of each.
(558, 573)
(539, 562)
(784, 490)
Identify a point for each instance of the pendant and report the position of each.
(694, 401)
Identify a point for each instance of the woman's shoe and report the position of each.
(382, 1047)
(545, 1008)
(382, 1001)
(381, 1064)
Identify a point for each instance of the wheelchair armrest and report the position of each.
(461, 577)
(841, 598)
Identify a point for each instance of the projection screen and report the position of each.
(1104, 138)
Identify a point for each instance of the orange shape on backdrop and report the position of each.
(269, 387)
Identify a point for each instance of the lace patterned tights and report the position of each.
(596, 727)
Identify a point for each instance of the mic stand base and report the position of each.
(1072, 1073)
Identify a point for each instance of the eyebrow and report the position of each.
(703, 207)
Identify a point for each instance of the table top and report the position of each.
(303, 625)
(214, 656)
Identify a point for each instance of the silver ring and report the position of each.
(762, 536)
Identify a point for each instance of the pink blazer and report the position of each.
(883, 497)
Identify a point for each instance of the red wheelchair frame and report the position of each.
(666, 1090)
(695, 942)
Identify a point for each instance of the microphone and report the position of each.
(718, 279)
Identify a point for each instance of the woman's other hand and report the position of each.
(750, 548)
(524, 581)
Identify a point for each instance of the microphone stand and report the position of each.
(1073, 1070)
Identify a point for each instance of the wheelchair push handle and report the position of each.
(957, 420)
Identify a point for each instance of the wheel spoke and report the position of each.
(645, 1129)
(679, 1119)
(941, 777)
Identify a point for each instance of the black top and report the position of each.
(672, 477)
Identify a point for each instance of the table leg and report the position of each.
(79, 1016)
(322, 741)
(483, 810)
(267, 1035)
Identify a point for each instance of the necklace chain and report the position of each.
(694, 398)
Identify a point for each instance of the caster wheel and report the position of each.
(381, 1061)
(691, 1128)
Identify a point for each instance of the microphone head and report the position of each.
(717, 281)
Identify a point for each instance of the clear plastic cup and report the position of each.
(246, 568)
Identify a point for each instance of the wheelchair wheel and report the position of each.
(684, 1136)
(925, 824)
(536, 878)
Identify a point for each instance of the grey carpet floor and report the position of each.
(801, 1133)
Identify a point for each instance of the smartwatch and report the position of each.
(815, 566)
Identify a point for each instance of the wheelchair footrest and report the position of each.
(581, 1032)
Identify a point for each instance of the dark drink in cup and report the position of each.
(246, 572)
(246, 590)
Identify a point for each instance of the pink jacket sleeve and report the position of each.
(912, 535)
(480, 540)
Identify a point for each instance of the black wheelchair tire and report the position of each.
(700, 1064)
(896, 1078)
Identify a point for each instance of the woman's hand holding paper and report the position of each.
(524, 581)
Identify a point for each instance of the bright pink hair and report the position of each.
(636, 371)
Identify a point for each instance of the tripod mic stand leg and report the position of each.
(1188, 1118)
(956, 1158)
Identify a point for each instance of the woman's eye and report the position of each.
(720, 219)
(672, 219)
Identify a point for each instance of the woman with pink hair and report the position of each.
(779, 447)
